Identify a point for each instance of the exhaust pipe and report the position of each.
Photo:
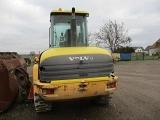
(73, 28)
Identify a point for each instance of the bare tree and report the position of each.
(90, 39)
(113, 35)
(93, 41)
(32, 53)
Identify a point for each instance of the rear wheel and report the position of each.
(103, 100)
(41, 105)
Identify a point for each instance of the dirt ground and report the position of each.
(137, 98)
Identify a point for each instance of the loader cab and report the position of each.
(62, 28)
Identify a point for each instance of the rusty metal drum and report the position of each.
(14, 80)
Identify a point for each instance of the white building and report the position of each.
(138, 49)
(147, 50)
(153, 48)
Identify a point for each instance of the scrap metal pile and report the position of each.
(14, 79)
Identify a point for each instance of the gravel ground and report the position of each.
(137, 98)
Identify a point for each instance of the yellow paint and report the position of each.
(35, 72)
(71, 91)
(70, 81)
(69, 11)
(72, 51)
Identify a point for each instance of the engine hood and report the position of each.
(74, 63)
(72, 51)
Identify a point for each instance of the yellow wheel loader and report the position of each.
(70, 69)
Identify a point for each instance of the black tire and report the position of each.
(41, 105)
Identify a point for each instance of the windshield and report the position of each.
(61, 31)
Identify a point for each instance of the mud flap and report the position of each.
(31, 94)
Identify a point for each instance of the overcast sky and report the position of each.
(24, 24)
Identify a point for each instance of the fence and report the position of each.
(142, 56)
(136, 56)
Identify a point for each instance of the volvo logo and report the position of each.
(81, 58)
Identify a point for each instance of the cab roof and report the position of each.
(61, 11)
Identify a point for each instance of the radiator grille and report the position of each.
(101, 65)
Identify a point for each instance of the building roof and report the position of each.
(137, 48)
(155, 44)
(147, 48)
